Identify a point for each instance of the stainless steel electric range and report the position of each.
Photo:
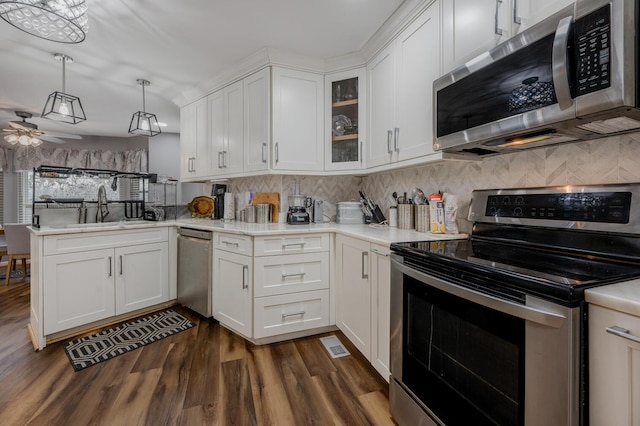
(492, 329)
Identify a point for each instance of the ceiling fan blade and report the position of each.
(51, 139)
(19, 126)
(62, 135)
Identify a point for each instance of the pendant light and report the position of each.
(144, 123)
(63, 21)
(61, 106)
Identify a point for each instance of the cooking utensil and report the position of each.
(418, 197)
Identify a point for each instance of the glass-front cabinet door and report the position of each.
(345, 120)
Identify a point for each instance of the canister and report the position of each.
(250, 214)
(405, 216)
(393, 217)
(422, 217)
(349, 212)
(263, 213)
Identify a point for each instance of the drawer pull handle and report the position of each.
(230, 243)
(109, 261)
(379, 253)
(302, 243)
(622, 332)
(293, 314)
(295, 274)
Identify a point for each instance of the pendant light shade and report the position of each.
(64, 21)
(61, 106)
(142, 122)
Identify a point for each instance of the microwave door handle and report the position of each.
(560, 65)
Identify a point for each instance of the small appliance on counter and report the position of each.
(318, 211)
(217, 192)
(297, 213)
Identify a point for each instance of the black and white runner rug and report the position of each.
(90, 350)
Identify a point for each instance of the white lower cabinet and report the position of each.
(142, 276)
(233, 291)
(92, 285)
(614, 368)
(363, 291)
(78, 289)
(283, 288)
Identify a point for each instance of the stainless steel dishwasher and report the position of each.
(194, 270)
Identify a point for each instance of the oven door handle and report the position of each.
(539, 316)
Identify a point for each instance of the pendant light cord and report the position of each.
(64, 63)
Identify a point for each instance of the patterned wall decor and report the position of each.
(330, 189)
(606, 160)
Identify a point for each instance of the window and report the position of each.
(25, 196)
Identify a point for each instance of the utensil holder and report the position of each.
(405, 216)
(250, 214)
(422, 217)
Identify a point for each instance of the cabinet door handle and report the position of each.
(293, 314)
(516, 18)
(245, 272)
(109, 261)
(264, 153)
(219, 162)
(295, 274)
(389, 141)
(277, 153)
(224, 159)
(365, 275)
(193, 164)
(396, 139)
(622, 332)
(498, 30)
(120, 264)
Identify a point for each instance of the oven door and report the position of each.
(459, 356)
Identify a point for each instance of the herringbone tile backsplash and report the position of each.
(606, 160)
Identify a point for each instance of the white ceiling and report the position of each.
(173, 44)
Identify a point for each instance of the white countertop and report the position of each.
(382, 235)
(623, 297)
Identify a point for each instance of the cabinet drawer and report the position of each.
(233, 243)
(288, 313)
(291, 273)
(80, 242)
(290, 244)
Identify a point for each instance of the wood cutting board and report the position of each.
(272, 198)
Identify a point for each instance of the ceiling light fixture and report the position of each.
(24, 138)
(63, 21)
(144, 123)
(60, 106)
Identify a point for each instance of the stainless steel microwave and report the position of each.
(573, 76)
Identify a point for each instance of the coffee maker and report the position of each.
(298, 214)
(217, 193)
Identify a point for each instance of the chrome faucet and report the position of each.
(103, 208)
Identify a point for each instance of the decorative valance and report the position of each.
(26, 158)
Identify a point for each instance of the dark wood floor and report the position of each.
(205, 375)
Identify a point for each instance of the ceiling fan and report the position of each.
(26, 133)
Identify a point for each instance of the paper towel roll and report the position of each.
(229, 206)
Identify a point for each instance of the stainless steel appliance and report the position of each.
(195, 270)
(573, 76)
(491, 329)
(297, 213)
(217, 192)
(318, 211)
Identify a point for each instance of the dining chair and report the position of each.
(3, 246)
(18, 247)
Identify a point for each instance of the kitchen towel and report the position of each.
(229, 206)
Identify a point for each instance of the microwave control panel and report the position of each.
(593, 47)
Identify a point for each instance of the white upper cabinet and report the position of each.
(527, 13)
(472, 27)
(257, 121)
(226, 129)
(194, 143)
(297, 117)
(345, 128)
(400, 92)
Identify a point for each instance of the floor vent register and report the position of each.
(334, 347)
